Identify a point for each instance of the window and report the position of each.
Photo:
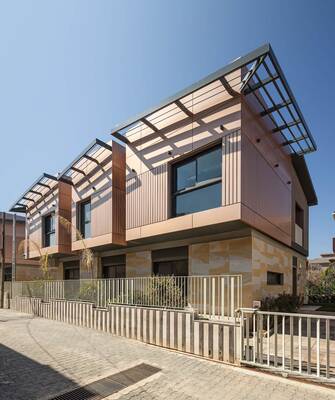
(71, 270)
(299, 216)
(275, 278)
(173, 261)
(114, 267)
(197, 182)
(49, 230)
(85, 218)
(8, 274)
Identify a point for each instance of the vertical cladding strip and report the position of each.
(146, 197)
(231, 153)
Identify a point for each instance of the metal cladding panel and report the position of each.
(147, 197)
(231, 168)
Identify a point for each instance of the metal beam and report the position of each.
(184, 109)
(294, 140)
(149, 124)
(276, 108)
(44, 185)
(78, 170)
(260, 84)
(228, 88)
(252, 72)
(34, 191)
(120, 137)
(286, 126)
(233, 66)
(91, 159)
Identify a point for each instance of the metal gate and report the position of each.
(301, 344)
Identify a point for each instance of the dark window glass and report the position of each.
(209, 165)
(114, 267)
(275, 278)
(166, 268)
(114, 271)
(186, 175)
(197, 182)
(299, 216)
(49, 230)
(8, 274)
(71, 273)
(85, 218)
(198, 200)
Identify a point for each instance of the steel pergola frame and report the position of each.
(88, 155)
(264, 79)
(29, 196)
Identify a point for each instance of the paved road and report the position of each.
(41, 358)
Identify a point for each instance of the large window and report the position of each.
(84, 219)
(71, 270)
(114, 267)
(197, 182)
(49, 230)
(173, 261)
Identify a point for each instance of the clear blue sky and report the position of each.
(71, 70)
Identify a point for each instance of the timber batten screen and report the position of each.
(261, 77)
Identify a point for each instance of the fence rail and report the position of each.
(211, 296)
(296, 343)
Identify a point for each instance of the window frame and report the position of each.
(198, 185)
(80, 220)
(47, 243)
(278, 274)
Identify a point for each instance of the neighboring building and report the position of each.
(25, 269)
(211, 181)
(324, 261)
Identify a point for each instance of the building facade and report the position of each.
(211, 181)
(24, 269)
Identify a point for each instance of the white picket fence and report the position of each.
(301, 344)
(211, 296)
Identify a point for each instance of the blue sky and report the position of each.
(71, 70)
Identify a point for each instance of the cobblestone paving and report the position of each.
(41, 358)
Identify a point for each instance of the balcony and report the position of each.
(97, 176)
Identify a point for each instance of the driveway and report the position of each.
(40, 359)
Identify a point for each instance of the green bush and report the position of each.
(284, 302)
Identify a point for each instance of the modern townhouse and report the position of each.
(14, 233)
(211, 181)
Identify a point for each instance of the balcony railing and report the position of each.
(210, 296)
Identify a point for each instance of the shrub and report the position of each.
(284, 302)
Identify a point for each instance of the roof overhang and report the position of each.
(91, 157)
(262, 77)
(301, 169)
(40, 188)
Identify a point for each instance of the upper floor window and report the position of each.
(197, 182)
(299, 216)
(85, 218)
(49, 230)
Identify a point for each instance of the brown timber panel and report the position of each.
(147, 197)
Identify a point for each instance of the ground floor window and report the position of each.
(114, 267)
(8, 274)
(275, 278)
(71, 270)
(173, 261)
